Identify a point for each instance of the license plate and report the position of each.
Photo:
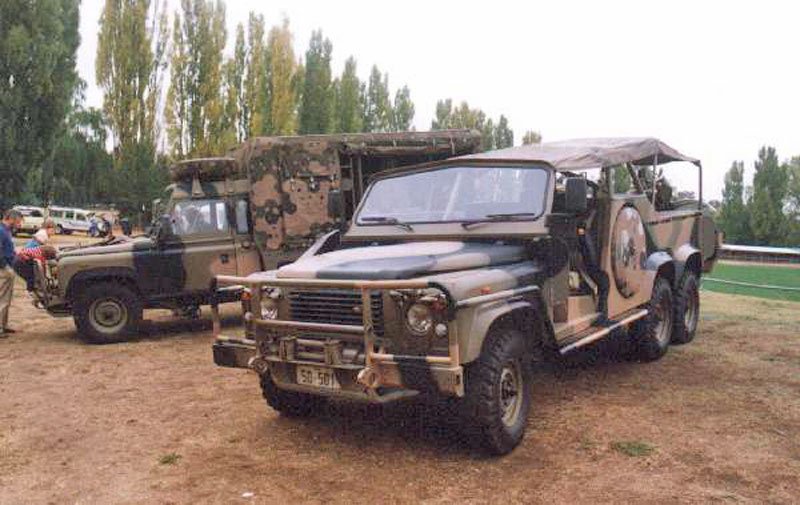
(318, 377)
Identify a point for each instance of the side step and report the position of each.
(594, 333)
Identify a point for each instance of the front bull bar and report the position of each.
(371, 376)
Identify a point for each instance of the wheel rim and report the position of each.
(108, 315)
(511, 388)
(690, 317)
(662, 312)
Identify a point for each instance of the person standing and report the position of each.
(12, 220)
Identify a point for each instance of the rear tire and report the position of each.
(107, 313)
(289, 403)
(497, 395)
(653, 332)
(687, 309)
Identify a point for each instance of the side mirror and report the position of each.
(335, 204)
(576, 191)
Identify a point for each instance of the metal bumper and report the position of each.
(383, 376)
(233, 353)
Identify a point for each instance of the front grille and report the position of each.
(334, 306)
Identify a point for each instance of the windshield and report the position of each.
(456, 194)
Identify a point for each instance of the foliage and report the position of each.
(349, 100)
(621, 179)
(463, 116)
(195, 109)
(316, 104)
(38, 44)
(734, 216)
(769, 190)
(282, 81)
(255, 115)
(402, 110)
(531, 137)
(130, 66)
(377, 106)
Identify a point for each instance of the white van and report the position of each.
(68, 220)
(32, 218)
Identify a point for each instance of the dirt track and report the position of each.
(154, 421)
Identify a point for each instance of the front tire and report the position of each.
(108, 313)
(653, 332)
(497, 395)
(687, 309)
(289, 403)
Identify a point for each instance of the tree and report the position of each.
(531, 137)
(377, 107)
(196, 111)
(621, 179)
(402, 110)
(348, 100)
(130, 65)
(316, 105)
(793, 199)
(503, 134)
(255, 113)
(233, 89)
(38, 44)
(282, 81)
(734, 216)
(769, 191)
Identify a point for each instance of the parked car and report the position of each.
(32, 218)
(68, 220)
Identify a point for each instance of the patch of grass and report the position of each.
(755, 274)
(169, 459)
(633, 448)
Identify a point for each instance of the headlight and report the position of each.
(269, 308)
(419, 319)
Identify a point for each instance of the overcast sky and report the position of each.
(716, 80)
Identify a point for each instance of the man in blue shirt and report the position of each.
(12, 220)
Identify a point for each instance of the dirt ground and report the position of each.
(154, 421)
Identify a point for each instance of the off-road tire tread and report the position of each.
(478, 407)
(646, 345)
(680, 334)
(84, 301)
(289, 403)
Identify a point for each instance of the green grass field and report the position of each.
(755, 274)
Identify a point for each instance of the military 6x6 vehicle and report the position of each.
(257, 208)
(454, 277)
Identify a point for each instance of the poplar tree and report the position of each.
(377, 107)
(195, 114)
(129, 67)
(531, 137)
(233, 89)
(503, 134)
(349, 100)
(282, 81)
(402, 110)
(255, 116)
(316, 105)
(734, 216)
(769, 191)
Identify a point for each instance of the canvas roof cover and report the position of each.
(579, 154)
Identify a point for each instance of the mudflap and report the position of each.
(233, 352)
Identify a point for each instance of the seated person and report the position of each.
(24, 264)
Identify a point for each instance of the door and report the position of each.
(201, 246)
(248, 260)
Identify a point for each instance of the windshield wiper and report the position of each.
(388, 220)
(488, 218)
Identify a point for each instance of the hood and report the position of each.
(402, 261)
(116, 245)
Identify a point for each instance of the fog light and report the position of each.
(441, 330)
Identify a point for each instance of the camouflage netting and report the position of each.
(207, 169)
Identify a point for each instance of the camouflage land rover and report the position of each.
(455, 276)
(255, 209)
